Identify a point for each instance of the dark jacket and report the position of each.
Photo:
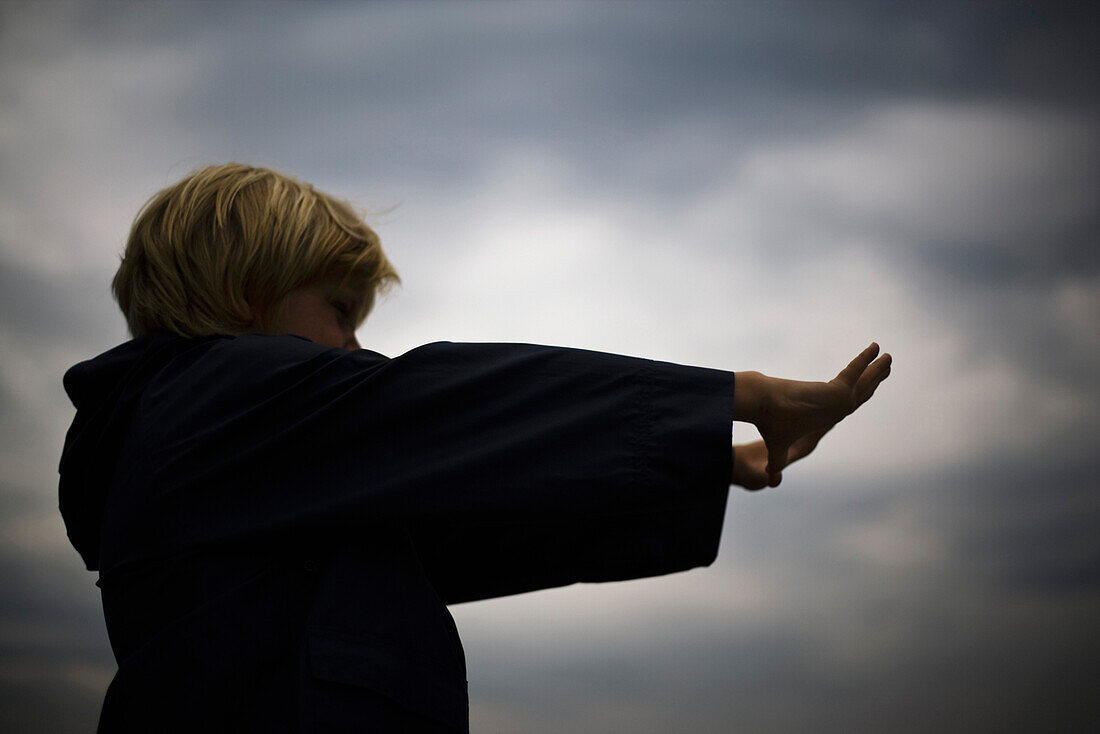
(278, 526)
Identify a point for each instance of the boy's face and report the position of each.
(322, 312)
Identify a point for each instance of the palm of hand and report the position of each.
(801, 408)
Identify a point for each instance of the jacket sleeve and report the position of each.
(514, 466)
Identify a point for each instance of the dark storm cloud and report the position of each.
(1028, 324)
(56, 656)
(970, 640)
(1028, 528)
(437, 90)
(1025, 263)
(954, 141)
(41, 307)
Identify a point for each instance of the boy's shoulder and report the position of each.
(279, 347)
(250, 358)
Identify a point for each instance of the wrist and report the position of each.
(749, 393)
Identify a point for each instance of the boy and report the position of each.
(279, 517)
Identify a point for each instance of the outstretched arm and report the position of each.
(792, 416)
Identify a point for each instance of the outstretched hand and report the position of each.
(795, 415)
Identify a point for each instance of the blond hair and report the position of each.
(217, 252)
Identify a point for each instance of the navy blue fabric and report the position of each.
(278, 526)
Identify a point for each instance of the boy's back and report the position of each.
(282, 523)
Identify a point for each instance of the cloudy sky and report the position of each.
(763, 186)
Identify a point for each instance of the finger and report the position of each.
(871, 391)
(875, 372)
(756, 482)
(872, 378)
(850, 374)
(774, 478)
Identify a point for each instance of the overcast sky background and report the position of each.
(762, 186)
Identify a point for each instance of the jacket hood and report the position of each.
(105, 391)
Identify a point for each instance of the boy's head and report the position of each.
(218, 252)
